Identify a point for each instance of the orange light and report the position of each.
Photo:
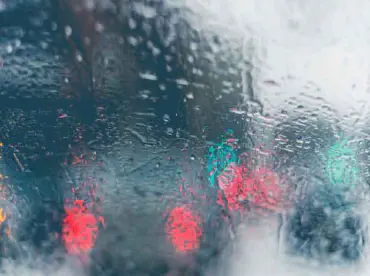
(4, 195)
(2, 215)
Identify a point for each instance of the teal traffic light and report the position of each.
(220, 155)
(341, 166)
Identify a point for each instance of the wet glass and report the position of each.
(173, 137)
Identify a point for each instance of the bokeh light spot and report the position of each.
(240, 187)
(80, 229)
(220, 155)
(184, 229)
(341, 165)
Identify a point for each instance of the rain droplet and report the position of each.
(132, 23)
(166, 118)
(182, 82)
(2, 6)
(133, 41)
(190, 96)
(90, 5)
(237, 111)
(169, 131)
(17, 43)
(68, 31)
(9, 49)
(43, 45)
(54, 26)
(162, 87)
(99, 27)
(148, 76)
(87, 40)
(79, 57)
(193, 46)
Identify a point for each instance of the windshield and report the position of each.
(173, 137)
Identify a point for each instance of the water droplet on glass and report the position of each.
(193, 46)
(166, 118)
(132, 40)
(182, 82)
(99, 27)
(54, 26)
(190, 96)
(17, 43)
(89, 4)
(43, 45)
(2, 6)
(79, 57)
(68, 31)
(169, 131)
(87, 40)
(148, 76)
(237, 111)
(132, 23)
(9, 49)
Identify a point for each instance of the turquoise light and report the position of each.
(341, 165)
(220, 155)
